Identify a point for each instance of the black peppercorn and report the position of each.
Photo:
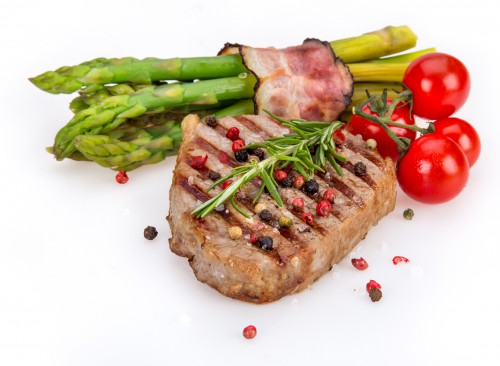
(265, 215)
(359, 169)
(375, 294)
(260, 153)
(265, 243)
(150, 232)
(211, 121)
(287, 182)
(311, 187)
(241, 155)
(214, 176)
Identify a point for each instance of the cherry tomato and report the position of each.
(440, 84)
(463, 134)
(370, 130)
(433, 170)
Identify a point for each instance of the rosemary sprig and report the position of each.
(294, 148)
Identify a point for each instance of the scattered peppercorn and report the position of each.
(254, 237)
(279, 175)
(233, 133)
(323, 208)
(375, 294)
(241, 155)
(265, 243)
(237, 145)
(372, 284)
(214, 176)
(284, 221)
(121, 177)
(298, 203)
(198, 161)
(226, 183)
(249, 332)
(307, 218)
(299, 182)
(408, 214)
(287, 182)
(398, 259)
(360, 169)
(260, 153)
(150, 232)
(235, 232)
(211, 121)
(311, 186)
(371, 144)
(329, 195)
(359, 263)
(265, 215)
(259, 207)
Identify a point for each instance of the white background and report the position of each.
(79, 285)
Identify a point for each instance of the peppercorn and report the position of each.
(284, 221)
(265, 215)
(260, 153)
(279, 175)
(299, 182)
(121, 177)
(329, 195)
(287, 182)
(150, 232)
(249, 332)
(359, 263)
(241, 155)
(311, 186)
(237, 145)
(265, 243)
(198, 161)
(307, 218)
(298, 203)
(408, 214)
(233, 133)
(214, 176)
(323, 208)
(375, 294)
(371, 144)
(259, 207)
(359, 169)
(235, 232)
(226, 183)
(211, 121)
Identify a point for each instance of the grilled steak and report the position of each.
(300, 253)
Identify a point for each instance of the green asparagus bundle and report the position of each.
(68, 79)
(116, 96)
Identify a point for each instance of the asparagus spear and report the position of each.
(115, 110)
(126, 149)
(68, 79)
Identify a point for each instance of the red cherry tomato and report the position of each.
(370, 130)
(433, 170)
(463, 134)
(440, 84)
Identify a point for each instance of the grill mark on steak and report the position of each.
(214, 150)
(366, 178)
(365, 153)
(343, 188)
(232, 220)
(251, 126)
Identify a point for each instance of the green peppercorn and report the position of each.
(408, 214)
(284, 221)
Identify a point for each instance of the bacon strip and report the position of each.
(306, 81)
